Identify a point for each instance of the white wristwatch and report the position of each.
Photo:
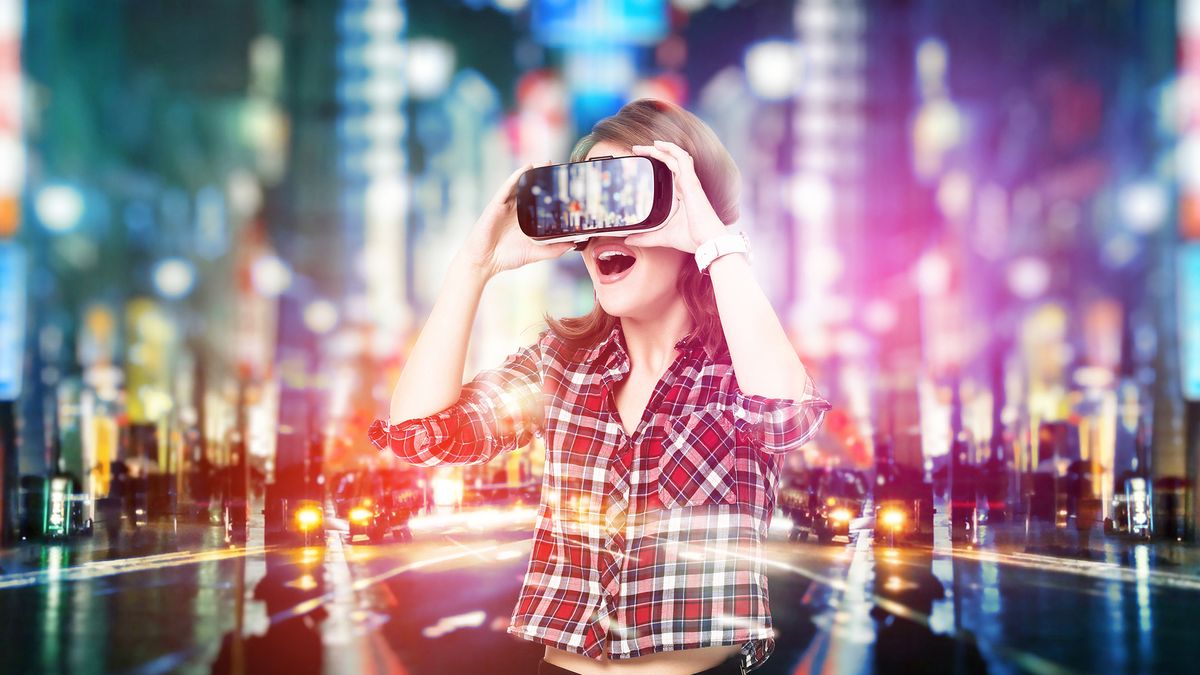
(734, 242)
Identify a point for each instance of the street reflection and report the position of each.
(904, 643)
(292, 590)
(440, 603)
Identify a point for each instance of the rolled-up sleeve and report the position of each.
(778, 425)
(498, 411)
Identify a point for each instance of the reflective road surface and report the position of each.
(175, 598)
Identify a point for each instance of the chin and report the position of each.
(620, 310)
(631, 302)
(644, 292)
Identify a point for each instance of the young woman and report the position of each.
(661, 466)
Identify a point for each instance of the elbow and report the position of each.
(414, 409)
(792, 432)
(432, 441)
(407, 440)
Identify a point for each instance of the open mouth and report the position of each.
(610, 263)
(613, 261)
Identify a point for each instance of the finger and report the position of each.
(682, 169)
(655, 238)
(659, 237)
(685, 162)
(516, 175)
(509, 188)
(687, 183)
(548, 251)
(512, 180)
(660, 155)
(674, 150)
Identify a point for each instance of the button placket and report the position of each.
(616, 508)
(615, 515)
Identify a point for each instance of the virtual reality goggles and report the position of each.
(601, 197)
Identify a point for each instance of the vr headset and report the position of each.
(603, 196)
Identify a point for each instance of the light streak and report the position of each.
(477, 520)
(366, 582)
(1030, 662)
(449, 624)
(106, 568)
(1094, 569)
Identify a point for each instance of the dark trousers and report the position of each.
(730, 666)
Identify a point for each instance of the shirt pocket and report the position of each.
(697, 462)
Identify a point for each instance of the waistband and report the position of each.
(730, 666)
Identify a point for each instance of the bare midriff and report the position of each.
(682, 662)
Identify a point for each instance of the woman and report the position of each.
(661, 466)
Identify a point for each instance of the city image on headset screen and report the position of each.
(594, 196)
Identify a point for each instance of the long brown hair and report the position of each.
(642, 122)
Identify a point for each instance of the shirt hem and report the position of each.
(724, 642)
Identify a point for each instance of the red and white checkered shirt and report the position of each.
(643, 543)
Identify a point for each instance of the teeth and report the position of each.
(609, 255)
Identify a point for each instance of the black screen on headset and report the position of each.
(587, 196)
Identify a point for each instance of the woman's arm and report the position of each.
(433, 417)
(763, 357)
(498, 411)
(433, 372)
(432, 377)
(784, 410)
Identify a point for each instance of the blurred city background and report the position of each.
(223, 223)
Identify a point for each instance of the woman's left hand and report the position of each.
(694, 221)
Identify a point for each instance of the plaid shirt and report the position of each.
(642, 543)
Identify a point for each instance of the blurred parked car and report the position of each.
(376, 503)
(903, 506)
(823, 503)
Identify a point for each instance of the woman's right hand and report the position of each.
(496, 242)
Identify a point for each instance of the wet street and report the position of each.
(176, 599)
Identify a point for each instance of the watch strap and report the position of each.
(731, 242)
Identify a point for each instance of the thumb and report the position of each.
(640, 239)
(548, 251)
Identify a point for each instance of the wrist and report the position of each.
(463, 267)
(728, 261)
(708, 233)
(720, 246)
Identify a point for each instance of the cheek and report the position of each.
(666, 264)
(661, 274)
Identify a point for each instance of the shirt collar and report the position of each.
(691, 341)
(611, 350)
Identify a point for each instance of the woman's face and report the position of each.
(645, 289)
